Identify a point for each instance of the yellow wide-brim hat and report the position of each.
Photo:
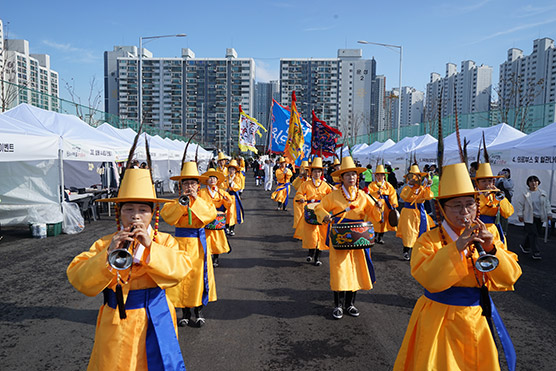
(136, 186)
(380, 170)
(189, 170)
(317, 163)
(281, 159)
(212, 172)
(485, 171)
(221, 156)
(414, 169)
(348, 165)
(455, 182)
(336, 161)
(304, 165)
(234, 164)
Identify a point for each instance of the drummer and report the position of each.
(222, 200)
(232, 185)
(492, 201)
(122, 330)
(381, 189)
(282, 192)
(309, 195)
(448, 329)
(190, 219)
(302, 177)
(414, 221)
(350, 270)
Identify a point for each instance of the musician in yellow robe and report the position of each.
(350, 270)
(198, 288)
(414, 220)
(449, 329)
(492, 201)
(381, 189)
(311, 192)
(301, 178)
(241, 173)
(232, 185)
(124, 334)
(221, 163)
(222, 200)
(282, 192)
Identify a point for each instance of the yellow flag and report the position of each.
(294, 144)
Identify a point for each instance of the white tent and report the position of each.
(358, 147)
(373, 151)
(30, 168)
(399, 154)
(494, 135)
(85, 149)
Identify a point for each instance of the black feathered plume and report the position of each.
(133, 146)
(149, 160)
(479, 153)
(460, 147)
(197, 154)
(465, 157)
(185, 150)
(440, 150)
(487, 159)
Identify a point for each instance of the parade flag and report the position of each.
(295, 141)
(323, 138)
(248, 127)
(279, 130)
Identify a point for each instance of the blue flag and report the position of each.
(279, 133)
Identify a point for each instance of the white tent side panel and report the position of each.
(18, 147)
(29, 192)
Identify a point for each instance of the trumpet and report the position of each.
(121, 259)
(499, 196)
(183, 200)
(485, 262)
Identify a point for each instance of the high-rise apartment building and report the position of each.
(529, 80)
(337, 89)
(413, 103)
(384, 104)
(471, 86)
(265, 92)
(27, 76)
(182, 95)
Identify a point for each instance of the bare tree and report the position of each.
(516, 95)
(94, 99)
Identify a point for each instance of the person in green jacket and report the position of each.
(368, 175)
(434, 188)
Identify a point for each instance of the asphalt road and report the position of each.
(274, 310)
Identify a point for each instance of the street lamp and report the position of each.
(140, 74)
(399, 100)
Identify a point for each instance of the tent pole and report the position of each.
(61, 167)
(550, 194)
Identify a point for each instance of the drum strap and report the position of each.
(367, 251)
(221, 208)
(471, 297)
(386, 199)
(163, 349)
(489, 219)
(200, 234)
(422, 215)
(239, 207)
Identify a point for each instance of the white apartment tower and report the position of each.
(27, 76)
(413, 103)
(534, 74)
(337, 89)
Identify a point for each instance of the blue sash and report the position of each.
(422, 214)
(239, 207)
(470, 297)
(367, 251)
(488, 219)
(285, 186)
(200, 234)
(221, 208)
(386, 199)
(163, 349)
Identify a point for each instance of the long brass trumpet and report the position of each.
(121, 259)
(485, 262)
(183, 200)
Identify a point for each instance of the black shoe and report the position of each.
(406, 256)
(525, 250)
(200, 322)
(537, 256)
(380, 241)
(231, 233)
(338, 313)
(352, 311)
(318, 263)
(215, 263)
(183, 322)
(309, 259)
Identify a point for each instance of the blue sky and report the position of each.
(432, 33)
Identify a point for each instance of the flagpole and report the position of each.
(269, 125)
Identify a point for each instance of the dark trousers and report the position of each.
(532, 231)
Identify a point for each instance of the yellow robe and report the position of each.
(490, 206)
(231, 185)
(348, 268)
(189, 293)
(242, 173)
(282, 177)
(297, 207)
(376, 190)
(120, 344)
(216, 239)
(223, 170)
(450, 337)
(408, 225)
(313, 236)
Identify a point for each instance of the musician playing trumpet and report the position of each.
(449, 327)
(381, 189)
(492, 201)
